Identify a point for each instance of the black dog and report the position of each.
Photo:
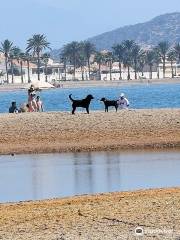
(84, 103)
(108, 103)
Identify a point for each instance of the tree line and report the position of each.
(128, 54)
(33, 53)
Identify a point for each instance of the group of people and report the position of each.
(34, 103)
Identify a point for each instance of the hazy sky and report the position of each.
(63, 21)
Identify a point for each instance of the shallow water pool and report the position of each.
(32, 177)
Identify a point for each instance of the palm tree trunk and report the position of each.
(99, 71)
(29, 80)
(82, 72)
(7, 75)
(46, 72)
(158, 71)
(135, 69)
(164, 67)
(38, 69)
(89, 68)
(110, 70)
(12, 71)
(120, 70)
(172, 70)
(65, 70)
(150, 75)
(74, 67)
(22, 80)
(129, 77)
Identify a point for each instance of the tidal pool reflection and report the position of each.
(32, 177)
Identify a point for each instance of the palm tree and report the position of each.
(89, 49)
(136, 52)
(14, 55)
(37, 44)
(163, 48)
(172, 56)
(63, 59)
(150, 61)
(119, 53)
(109, 57)
(177, 50)
(157, 60)
(128, 46)
(141, 62)
(71, 51)
(45, 58)
(99, 58)
(6, 48)
(28, 58)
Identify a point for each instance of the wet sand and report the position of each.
(63, 132)
(105, 216)
(96, 83)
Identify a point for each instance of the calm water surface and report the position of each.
(32, 177)
(140, 96)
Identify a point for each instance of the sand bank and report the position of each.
(97, 83)
(106, 216)
(62, 132)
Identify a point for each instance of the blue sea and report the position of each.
(140, 96)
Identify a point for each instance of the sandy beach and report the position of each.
(105, 216)
(63, 132)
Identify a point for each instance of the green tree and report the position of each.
(141, 62)
(6, 47)
(177, 51)
(163, 48)
(136, 52)
(45, 59)
(109, 58)
(157, 60)
(36, 45)
(89, 49)
(119, 53)
(172, 57)
(71, 52)
(150, 61)
(128, 46)
(99, 59)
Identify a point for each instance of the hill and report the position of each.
(162, 28)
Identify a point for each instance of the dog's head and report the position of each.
(103, 99)
(89, 97)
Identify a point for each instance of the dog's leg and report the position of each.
(87, 110)
(73, 109)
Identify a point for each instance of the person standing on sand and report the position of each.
(32, 99)
(39, 104)
(123, 102)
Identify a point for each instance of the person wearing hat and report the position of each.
(123, 102)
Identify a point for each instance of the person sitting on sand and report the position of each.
(39, 104)
(32, 99)
(24, 108)
(13, 108)
(123, 102)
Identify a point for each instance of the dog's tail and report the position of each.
(71, 97)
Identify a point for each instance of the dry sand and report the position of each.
(106, 217)
(58, 132)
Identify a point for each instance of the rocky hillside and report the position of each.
(162, 28)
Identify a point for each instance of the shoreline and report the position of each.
(96, 83)
(101, 216)
(55, 132)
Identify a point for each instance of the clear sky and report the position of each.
(63, 21)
